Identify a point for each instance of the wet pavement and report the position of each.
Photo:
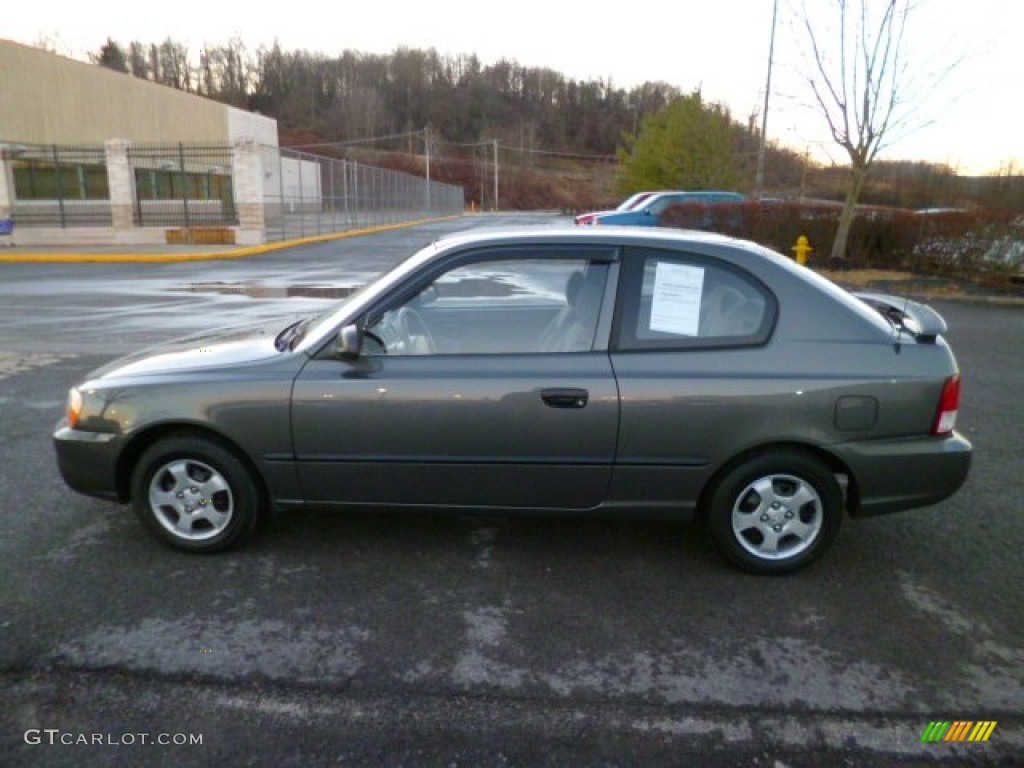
(116, 305)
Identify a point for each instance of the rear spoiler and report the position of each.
(920, 320)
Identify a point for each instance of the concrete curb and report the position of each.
(236, 253)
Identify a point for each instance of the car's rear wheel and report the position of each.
(776, 512)
(195, 495)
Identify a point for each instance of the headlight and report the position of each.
(75, 403)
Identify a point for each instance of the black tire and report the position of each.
(195, 495)
(776, 512)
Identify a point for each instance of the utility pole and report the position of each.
(483, 173)
(426, 142)
(759, 176)
(495, 174)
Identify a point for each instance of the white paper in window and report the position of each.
(676, 304)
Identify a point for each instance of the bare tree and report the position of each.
(861, 82)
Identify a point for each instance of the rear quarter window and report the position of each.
(670, 300)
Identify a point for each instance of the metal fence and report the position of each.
(187, 185)
(64, 186)
(183, 185)
(306, 195)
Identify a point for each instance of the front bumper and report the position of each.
(895, 475)
(88, 461)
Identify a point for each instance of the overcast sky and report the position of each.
(972, 120)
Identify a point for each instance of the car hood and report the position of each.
(211, 349)
(611, 216)
(592, 214)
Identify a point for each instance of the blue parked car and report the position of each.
(633, 201)
(649, 211)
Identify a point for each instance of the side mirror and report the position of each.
(349, 342)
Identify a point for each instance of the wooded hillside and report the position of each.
(560, 141)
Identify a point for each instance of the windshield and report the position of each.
(292, 335)
(633, 201)
(317, 326)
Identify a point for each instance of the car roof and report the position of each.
(610, 234)
(701, 193)
(697, 241)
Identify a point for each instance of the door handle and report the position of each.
(565, 397)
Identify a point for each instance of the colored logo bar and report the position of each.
(958, 730)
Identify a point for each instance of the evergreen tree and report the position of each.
(111, 56)
(689, 144)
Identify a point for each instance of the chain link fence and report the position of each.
(306, 195)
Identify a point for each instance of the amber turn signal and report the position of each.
(75, 403)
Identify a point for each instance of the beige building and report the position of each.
(103, 154)
(49, 99)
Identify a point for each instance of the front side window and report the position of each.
(670, 300)
(521, 305)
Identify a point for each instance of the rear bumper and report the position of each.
(88, 461)
(895, 475)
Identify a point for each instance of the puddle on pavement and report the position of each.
(261, 291)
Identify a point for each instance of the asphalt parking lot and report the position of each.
(479, 641)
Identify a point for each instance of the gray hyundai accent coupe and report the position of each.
(637, 374)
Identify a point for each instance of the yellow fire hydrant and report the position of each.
(801, 249)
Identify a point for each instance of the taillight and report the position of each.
(949, 404)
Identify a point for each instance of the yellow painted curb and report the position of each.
(81, 258)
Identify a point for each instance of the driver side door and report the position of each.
(486, 384)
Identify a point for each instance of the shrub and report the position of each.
(942, 242)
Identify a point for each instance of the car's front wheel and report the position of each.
(776, 512)
(195, 495)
